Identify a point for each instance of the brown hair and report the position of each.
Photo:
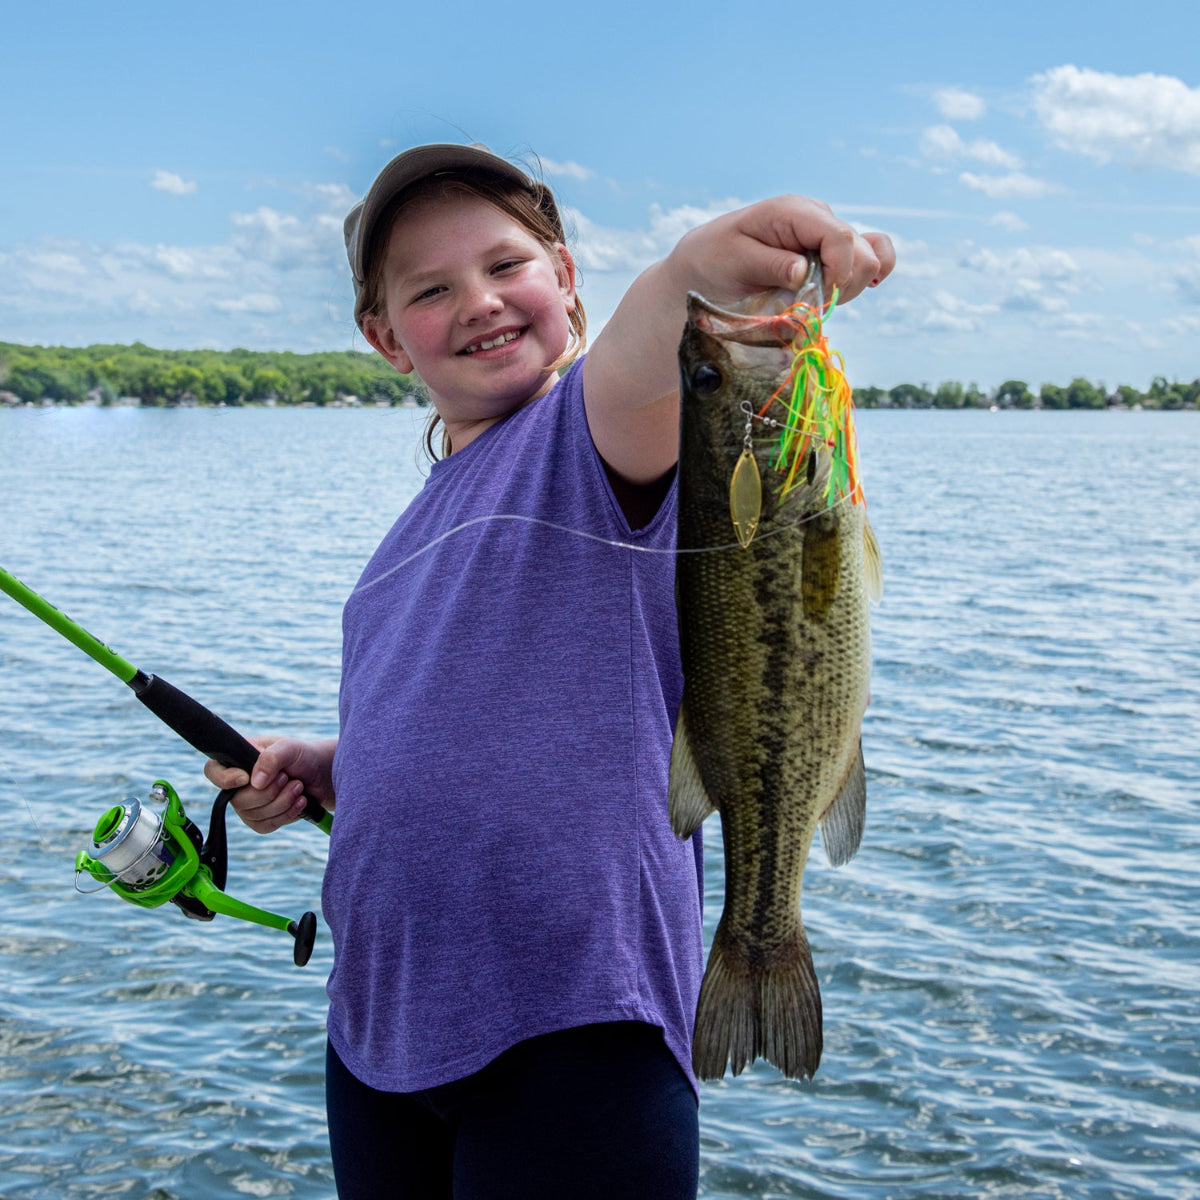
(532, 208)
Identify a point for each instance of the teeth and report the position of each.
(511, 336)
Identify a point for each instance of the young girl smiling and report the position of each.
(516, 930)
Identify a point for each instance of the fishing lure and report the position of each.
(818, 410)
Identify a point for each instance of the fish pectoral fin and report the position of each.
(821, 567)
(873, 563)
(842, 824)
(689, 802)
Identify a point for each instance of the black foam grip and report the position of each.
(202, 728)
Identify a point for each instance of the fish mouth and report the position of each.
(495, 341)
(755, 320)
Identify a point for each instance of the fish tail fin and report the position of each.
(747, 1012)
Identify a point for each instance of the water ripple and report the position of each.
(1009, 967)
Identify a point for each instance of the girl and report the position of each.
(517, 932)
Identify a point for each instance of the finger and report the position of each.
(265, 810)
(225, 777)
(268, 824)
(885, 252)
(839, 251)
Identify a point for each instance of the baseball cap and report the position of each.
(405, 169)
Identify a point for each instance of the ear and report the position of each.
(564, 268)
(381, 335)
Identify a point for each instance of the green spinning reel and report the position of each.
(149, 858)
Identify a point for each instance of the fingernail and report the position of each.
(260, 779)
(875, 282)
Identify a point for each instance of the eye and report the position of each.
(427, 294)
(706, 379)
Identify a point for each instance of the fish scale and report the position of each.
(775, 646)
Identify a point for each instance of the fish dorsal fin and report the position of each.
(842, 824)
(873, 563)
(689, 802)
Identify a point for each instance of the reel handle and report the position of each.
(208, 733)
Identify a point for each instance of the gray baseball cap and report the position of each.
(405, 169)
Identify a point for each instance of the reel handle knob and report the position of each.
(304, 931)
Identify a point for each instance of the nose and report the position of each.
(479, 299)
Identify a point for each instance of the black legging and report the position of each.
(601, 1111)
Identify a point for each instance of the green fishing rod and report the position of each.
(197, 725)
(148, 858)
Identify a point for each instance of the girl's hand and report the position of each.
(287, 770)
(763, 246)
(631, 374)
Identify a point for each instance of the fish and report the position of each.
(773, 587)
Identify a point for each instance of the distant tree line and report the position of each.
(1016, 393)
(115, 374)
(112, 374)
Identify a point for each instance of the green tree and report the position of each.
(1083, 394)
(909, 395)
(949, 395)
(868, 397)
(181, 380)
(1163, 394)
(266, 382)
(1013, 393)
(1053, 396)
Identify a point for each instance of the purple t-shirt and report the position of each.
(502, 864)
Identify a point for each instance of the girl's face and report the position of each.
(476, 305)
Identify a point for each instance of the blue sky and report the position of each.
(178, 174)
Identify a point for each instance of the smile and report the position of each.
(499, 340)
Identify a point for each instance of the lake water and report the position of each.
(1010, 967)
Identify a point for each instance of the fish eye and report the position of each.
(706, 379)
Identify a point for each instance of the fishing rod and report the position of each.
(149, 858)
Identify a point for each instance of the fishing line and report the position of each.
(616, 543)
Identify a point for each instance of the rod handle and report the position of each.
(208, 733)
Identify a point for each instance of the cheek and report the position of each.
(418, 333)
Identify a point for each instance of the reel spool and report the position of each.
(129, 841)
(148, 858)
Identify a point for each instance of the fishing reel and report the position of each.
(149, 857)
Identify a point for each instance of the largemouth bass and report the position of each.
(776, 659)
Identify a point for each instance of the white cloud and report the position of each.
(288, 241)
(1007, 220)
(1145, 120)
(956, 105)
(1043, 263)
(175, 185)
(601, 248)
(255, 302)
(944, 311)
(1015, 183)
(570, 170)
(54, 262)
(944, 141)
(1028, 295)
(278, 279)
(1187, 274)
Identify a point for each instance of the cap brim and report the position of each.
(405, 169)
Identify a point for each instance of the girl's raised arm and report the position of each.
(631, 375)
